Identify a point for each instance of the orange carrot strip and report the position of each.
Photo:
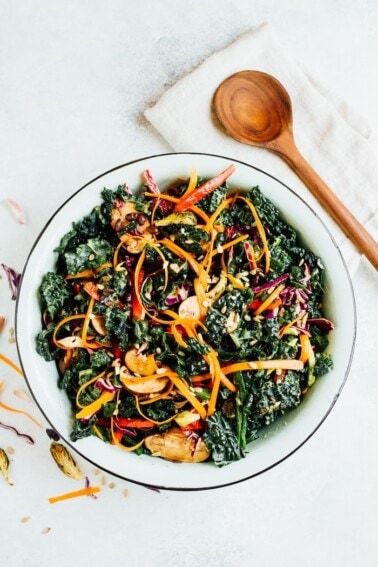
(184, 390)
(63, 322)
(85, 385)
(265, 304)
(11, 364)
(284, 364)
(203, 190)
(84, 331)
(217, 212)
(216, 383)
(192, 182)
(15, 410)
(231, 243)
(261, 231)
(75, 494)
(286, 327)
(96, 405)
(152, 420)
(196, 210)
(85, 274)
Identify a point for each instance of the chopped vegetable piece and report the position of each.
(4, 466)
(75, 494)
(65, 461)
(204, 190)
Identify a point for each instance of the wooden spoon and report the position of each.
(254, 108)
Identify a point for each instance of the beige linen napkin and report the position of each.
(332, 137)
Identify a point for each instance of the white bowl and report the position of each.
(286, 435)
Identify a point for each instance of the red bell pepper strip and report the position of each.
(137, 309)
(204, 190)
(195, 426)
(127, 422)
(255, 304)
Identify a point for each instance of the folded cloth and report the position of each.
(335, 140)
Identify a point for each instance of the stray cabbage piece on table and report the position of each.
(183, 320)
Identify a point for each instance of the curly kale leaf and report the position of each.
(54, 292)
(118, 325)
(44, 345)
(188, 237)
(210, 203)
(91, 254)
(220, 438)
(323, 364)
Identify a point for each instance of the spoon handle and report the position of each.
(339, 212)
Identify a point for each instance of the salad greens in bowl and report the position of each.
(185, 321)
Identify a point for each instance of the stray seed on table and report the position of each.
(46, 530)
(10, 450)
(103, 480)
(25, 519)
(125, 492)
(112, 485)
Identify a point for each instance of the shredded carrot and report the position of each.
(84, 331)
(163, 396)
(305, 348)
(96, 405)
(284, 364)
(152, 421)
(61, 324)
(269, 300)
(85, 385)
(216, 382)
(75, 494)
(193, 208)
(261, 231)
(235, 282)
(184, 390)
(231, 243)
(286, 328)
(192, 182)
(15, 410)
(11, 364)
(217, 212)
(178, 338)
(85, 274)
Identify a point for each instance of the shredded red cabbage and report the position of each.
(29, 439)
(270, 284)
(14, 279)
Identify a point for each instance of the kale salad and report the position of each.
(183, 320)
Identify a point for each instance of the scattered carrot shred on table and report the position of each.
(75, 494)
(10, 363)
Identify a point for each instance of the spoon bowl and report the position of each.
(254, 108)
(246, 105)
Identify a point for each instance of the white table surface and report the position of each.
(75, 77)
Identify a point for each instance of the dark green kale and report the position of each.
(118, 325)
(187, 237)
(82, 428)
(54, 292)
(323, 364)
(44, 345)
(91, 254)
(160, 411)
(210, 203)
(220, 438)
